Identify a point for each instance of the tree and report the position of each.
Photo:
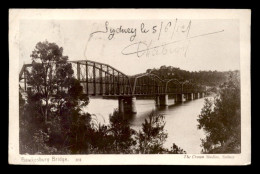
(122, 133)
(33, 138)
(209, 78)
(176, 150)
(51, 77)
(152, 136)
(54, 104)
(220, 119)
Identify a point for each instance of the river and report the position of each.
(181, 119)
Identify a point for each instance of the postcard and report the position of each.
(129, 86)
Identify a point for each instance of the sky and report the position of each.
(132, 46)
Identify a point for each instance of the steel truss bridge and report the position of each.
(99, 79)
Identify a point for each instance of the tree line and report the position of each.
(208, 78)
(220, 118)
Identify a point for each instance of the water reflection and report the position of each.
(180, 118)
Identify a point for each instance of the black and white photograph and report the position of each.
(95, 86)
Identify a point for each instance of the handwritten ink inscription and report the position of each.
(176, 38)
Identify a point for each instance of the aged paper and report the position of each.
(75, 72)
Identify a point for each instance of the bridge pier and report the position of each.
(180, 98)
(183, 97)
(190, 96)
(157, 100)
(162, 100)
(197, 95)
(121, 105)
(126, 104)
(202, 95)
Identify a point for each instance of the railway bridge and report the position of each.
(99, 79)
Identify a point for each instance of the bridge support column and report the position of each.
(121, 105)
(183, 97)
(202, 95)
(180, 98)
(190, 96)
(157, 100)
(163, 100)
(126, 104)
(198, 95)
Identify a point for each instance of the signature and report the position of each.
(139, 51)
(113, 31)
(177, 32)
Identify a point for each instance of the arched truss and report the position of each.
(101, 79)
(23, 76)
(147, 84)
(195, 87)
(187, 87)
(96, 78)
(173, 86)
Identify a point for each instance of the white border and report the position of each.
(244, 16)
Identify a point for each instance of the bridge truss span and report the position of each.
(104, 80)
(147, 84)
(101, 79)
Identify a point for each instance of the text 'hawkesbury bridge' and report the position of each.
(99, 79)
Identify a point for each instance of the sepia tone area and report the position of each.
(94, 106)
(52, 99)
